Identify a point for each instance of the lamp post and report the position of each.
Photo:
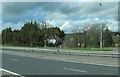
(101, 33)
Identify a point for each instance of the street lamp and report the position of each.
(101, 33)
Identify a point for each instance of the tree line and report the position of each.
(35, 34)
(89, 36)
(32, 34)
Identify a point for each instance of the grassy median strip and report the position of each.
(91, 49)
(88, 49)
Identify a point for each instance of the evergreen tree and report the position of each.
(7, 36)
(31, 35)
(107, 38)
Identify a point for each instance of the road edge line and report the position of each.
(10, 72)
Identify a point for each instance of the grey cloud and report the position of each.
(0, 8)
(65, 8)
(18, 7)
(51, 6)
(59, 10)
(88, 9)
(69, 8)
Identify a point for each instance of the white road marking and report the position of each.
(100, 64)
(80, 62)
(13, 59)
(84, 62)
(76, 62)
(91, 63)
(9, 71)
(109, 65)
(75, 70)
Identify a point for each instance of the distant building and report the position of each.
(54, 41)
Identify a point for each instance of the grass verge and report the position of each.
(91, 49)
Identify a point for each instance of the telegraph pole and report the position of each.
(101, 33)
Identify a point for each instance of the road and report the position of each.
(38, 66)
(96, 60)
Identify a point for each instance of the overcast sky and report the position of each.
(65, 15)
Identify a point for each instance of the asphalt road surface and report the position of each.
(37, 66)
(95, 60)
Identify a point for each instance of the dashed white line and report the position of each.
(14, 59)
(110, 65)
(84, 62)
(10, 72)
(75, 70)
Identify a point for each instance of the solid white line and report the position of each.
(75, 70)
(91, 63)
(77, 62)
(9, 72)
